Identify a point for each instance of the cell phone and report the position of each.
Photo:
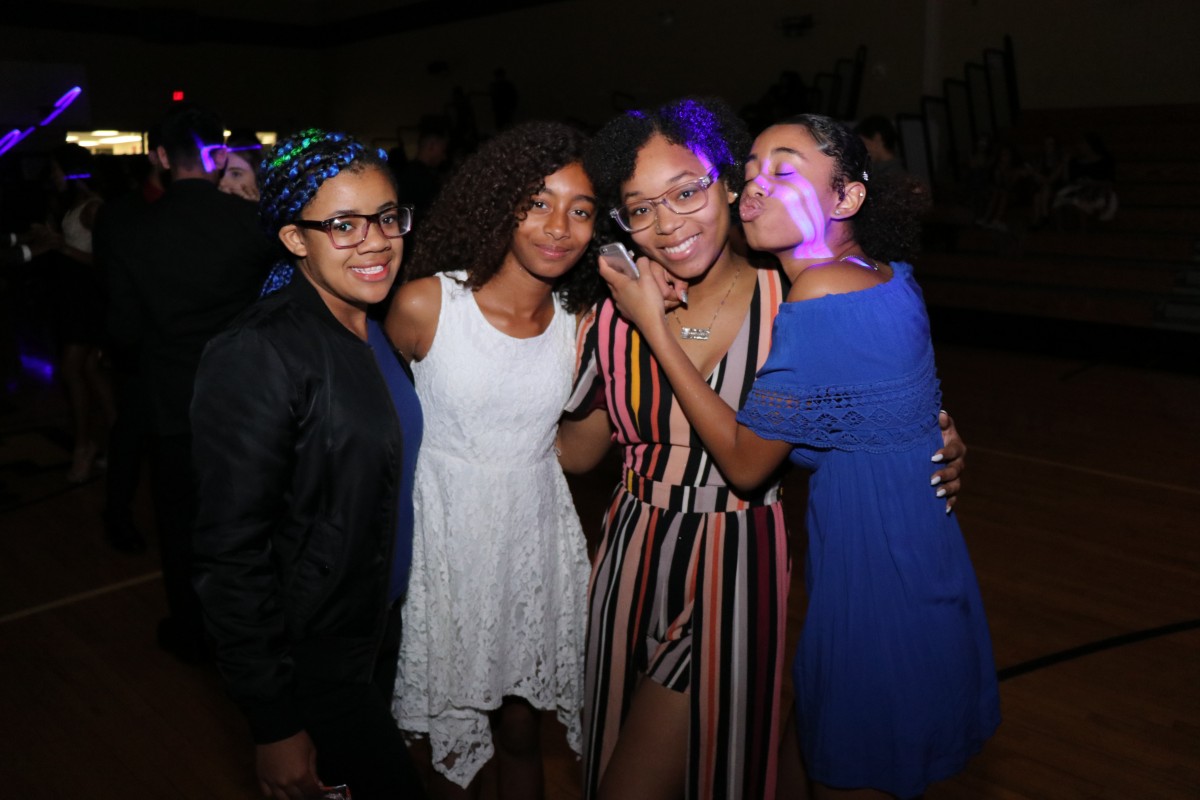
(619, 259)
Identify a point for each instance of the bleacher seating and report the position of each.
(1141, 269)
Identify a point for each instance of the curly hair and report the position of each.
(706, 126)
(292, 172)
(471, 222)
(888, 223)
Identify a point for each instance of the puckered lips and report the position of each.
(751, 208)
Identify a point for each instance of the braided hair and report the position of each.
(888, 223)
(292, 172)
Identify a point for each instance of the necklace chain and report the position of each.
(702, 334)
(862, 262)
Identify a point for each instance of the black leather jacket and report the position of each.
(297, 451)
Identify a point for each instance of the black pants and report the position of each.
(357, 740)
(174, 490)
(358, 743)
(128, 443)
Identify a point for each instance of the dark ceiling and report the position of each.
(286, 23)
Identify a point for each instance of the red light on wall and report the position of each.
(176, 96)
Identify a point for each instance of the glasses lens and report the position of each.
(636, 217)
(688, 198)
(347, 231)
(395, 222)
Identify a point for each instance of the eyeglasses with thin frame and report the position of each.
(351, 230)
(686, 198)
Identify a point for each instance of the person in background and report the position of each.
(242, 155)
(1089, 189)
(419, 178)
(306, 434)
(879, 136)
(179, 273)
(129, 437)
(80, 306)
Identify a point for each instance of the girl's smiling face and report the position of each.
(353, 278)
(557, 229)
(687, 245)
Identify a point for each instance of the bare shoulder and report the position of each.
(419, 294)
(412, 317)
(836, 278)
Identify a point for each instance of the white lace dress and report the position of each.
(497, 595)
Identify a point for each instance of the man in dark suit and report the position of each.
(182, 269)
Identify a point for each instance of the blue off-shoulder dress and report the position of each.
(894, 677)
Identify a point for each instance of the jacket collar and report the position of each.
(301, 292)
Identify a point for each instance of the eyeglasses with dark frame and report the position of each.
(686, 198)
(351, 230)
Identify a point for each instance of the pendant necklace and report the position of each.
(702, 334)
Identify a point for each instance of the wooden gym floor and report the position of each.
(1082, 509)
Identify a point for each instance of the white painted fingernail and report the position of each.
(947, 508)
(938, 458)
(935, 480)
(683, 297)
(941, 492)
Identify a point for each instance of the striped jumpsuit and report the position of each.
(689, 586)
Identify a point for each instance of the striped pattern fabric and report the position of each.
(689, 586)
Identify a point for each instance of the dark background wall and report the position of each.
(376, 72)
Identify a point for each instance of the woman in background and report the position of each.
(243, 152)
(81, 306)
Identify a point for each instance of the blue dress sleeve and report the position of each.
(849, 372)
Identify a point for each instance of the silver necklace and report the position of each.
(862, 262)
(702, 334)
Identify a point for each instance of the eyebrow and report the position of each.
(786, 150)
(546, 190)
(672, 181)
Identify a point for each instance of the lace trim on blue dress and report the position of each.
(876, 417)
